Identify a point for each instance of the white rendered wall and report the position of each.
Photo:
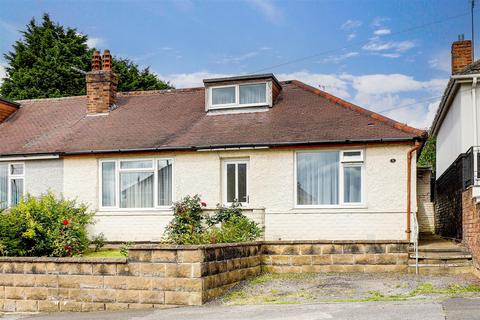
(271, 186)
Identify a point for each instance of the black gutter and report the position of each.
(223, 146)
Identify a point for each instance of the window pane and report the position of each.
(136, 189)
(253, 93)
(231, 182)
(16, 169)
(164, 182)
(108, 184)
(352, 177)
(16, 186)
(142, 164)
(242, 182)
(223, 95)
(317, 178)
(3, 186)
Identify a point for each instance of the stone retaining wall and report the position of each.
(156, 276)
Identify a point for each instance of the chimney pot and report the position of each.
(106, 60)
(461, 54)
(96, 61)
(101, 84)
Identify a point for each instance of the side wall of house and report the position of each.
(271, 180)
(42, 176)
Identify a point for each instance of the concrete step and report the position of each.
(440, 262)
(431, 249)
(424, 270)
(442, 255)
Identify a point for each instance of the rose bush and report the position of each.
(191, 225)
(45, 226)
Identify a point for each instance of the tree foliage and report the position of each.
(427, 157)
(40, 64)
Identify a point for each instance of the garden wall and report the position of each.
(157, 276)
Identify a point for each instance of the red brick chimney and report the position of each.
(461, 54)
(101, 84)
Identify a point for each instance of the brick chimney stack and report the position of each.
(101, 84)
(461, 54)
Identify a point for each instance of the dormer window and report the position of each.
(239, 95)
(244, 93)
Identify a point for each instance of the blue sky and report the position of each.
(390, 56)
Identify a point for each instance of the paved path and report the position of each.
(451, 309)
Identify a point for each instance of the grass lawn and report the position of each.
(104, 253)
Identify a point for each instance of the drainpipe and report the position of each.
(474, 111)
(409, 186)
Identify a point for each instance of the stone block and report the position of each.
(270, 249)
(81, 295)
(128, 296)
(183, 298)
(163, 284)
(290, 250)
(79, 281)
(36, 293)
(189, 284)
(305, 249)
(151, 297)
(35, 268)
(386, 268)
(164, 256)
(280, 260)
(104, 269)
(15, 293)
(23, 280)
(154, 269)
(365, 258)
(353, 248)
(48, 306)
(6, 280)
(322, 259)
(116, 306)
(57, 294)
(331, 249)
(46, 280)
(9, 305)
(397, 248)
(375, 248)
(71, 306)
(92, 306)
(385, 259)
(26, 306)
(139, 306)
(102, 295)
(342, 259)
(129, 269)
(140, 256)
(301, 260)
(190, 256)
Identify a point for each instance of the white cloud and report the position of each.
(379, 21)
(375, 44)
(382, 32)
(328, 82)
(237, 59)
(9, 27)
(391, 55)
(339, 58)
(94, 42)
(441, 61)
(191, 80)
(268, 9)
(3, 73)
(351, 24)
(351, 36)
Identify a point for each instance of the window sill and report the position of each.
(341, 207)
(134, 211)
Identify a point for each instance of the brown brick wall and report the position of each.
(156, 276)
(471, 226)
(461, 55)
(101, 91)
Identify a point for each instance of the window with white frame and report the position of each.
(239, 95)
(12, 184)
(235, 181)
(136, 183)
(329, 178)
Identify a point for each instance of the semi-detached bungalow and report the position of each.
(305, 164)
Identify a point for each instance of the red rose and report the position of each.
(65, 222)
(204, 204)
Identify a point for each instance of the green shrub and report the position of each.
(190, 225)
(99, 241)
(45, 226)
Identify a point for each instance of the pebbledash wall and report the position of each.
(271, 178)
(159, 276)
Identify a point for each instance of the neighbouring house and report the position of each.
(456, 127)
(304, 164)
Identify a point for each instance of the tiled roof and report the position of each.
(176, 119)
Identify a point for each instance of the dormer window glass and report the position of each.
(239, 95)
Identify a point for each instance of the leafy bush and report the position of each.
(190, 225)
(99, 241)
(125, 248)
(45, 226)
